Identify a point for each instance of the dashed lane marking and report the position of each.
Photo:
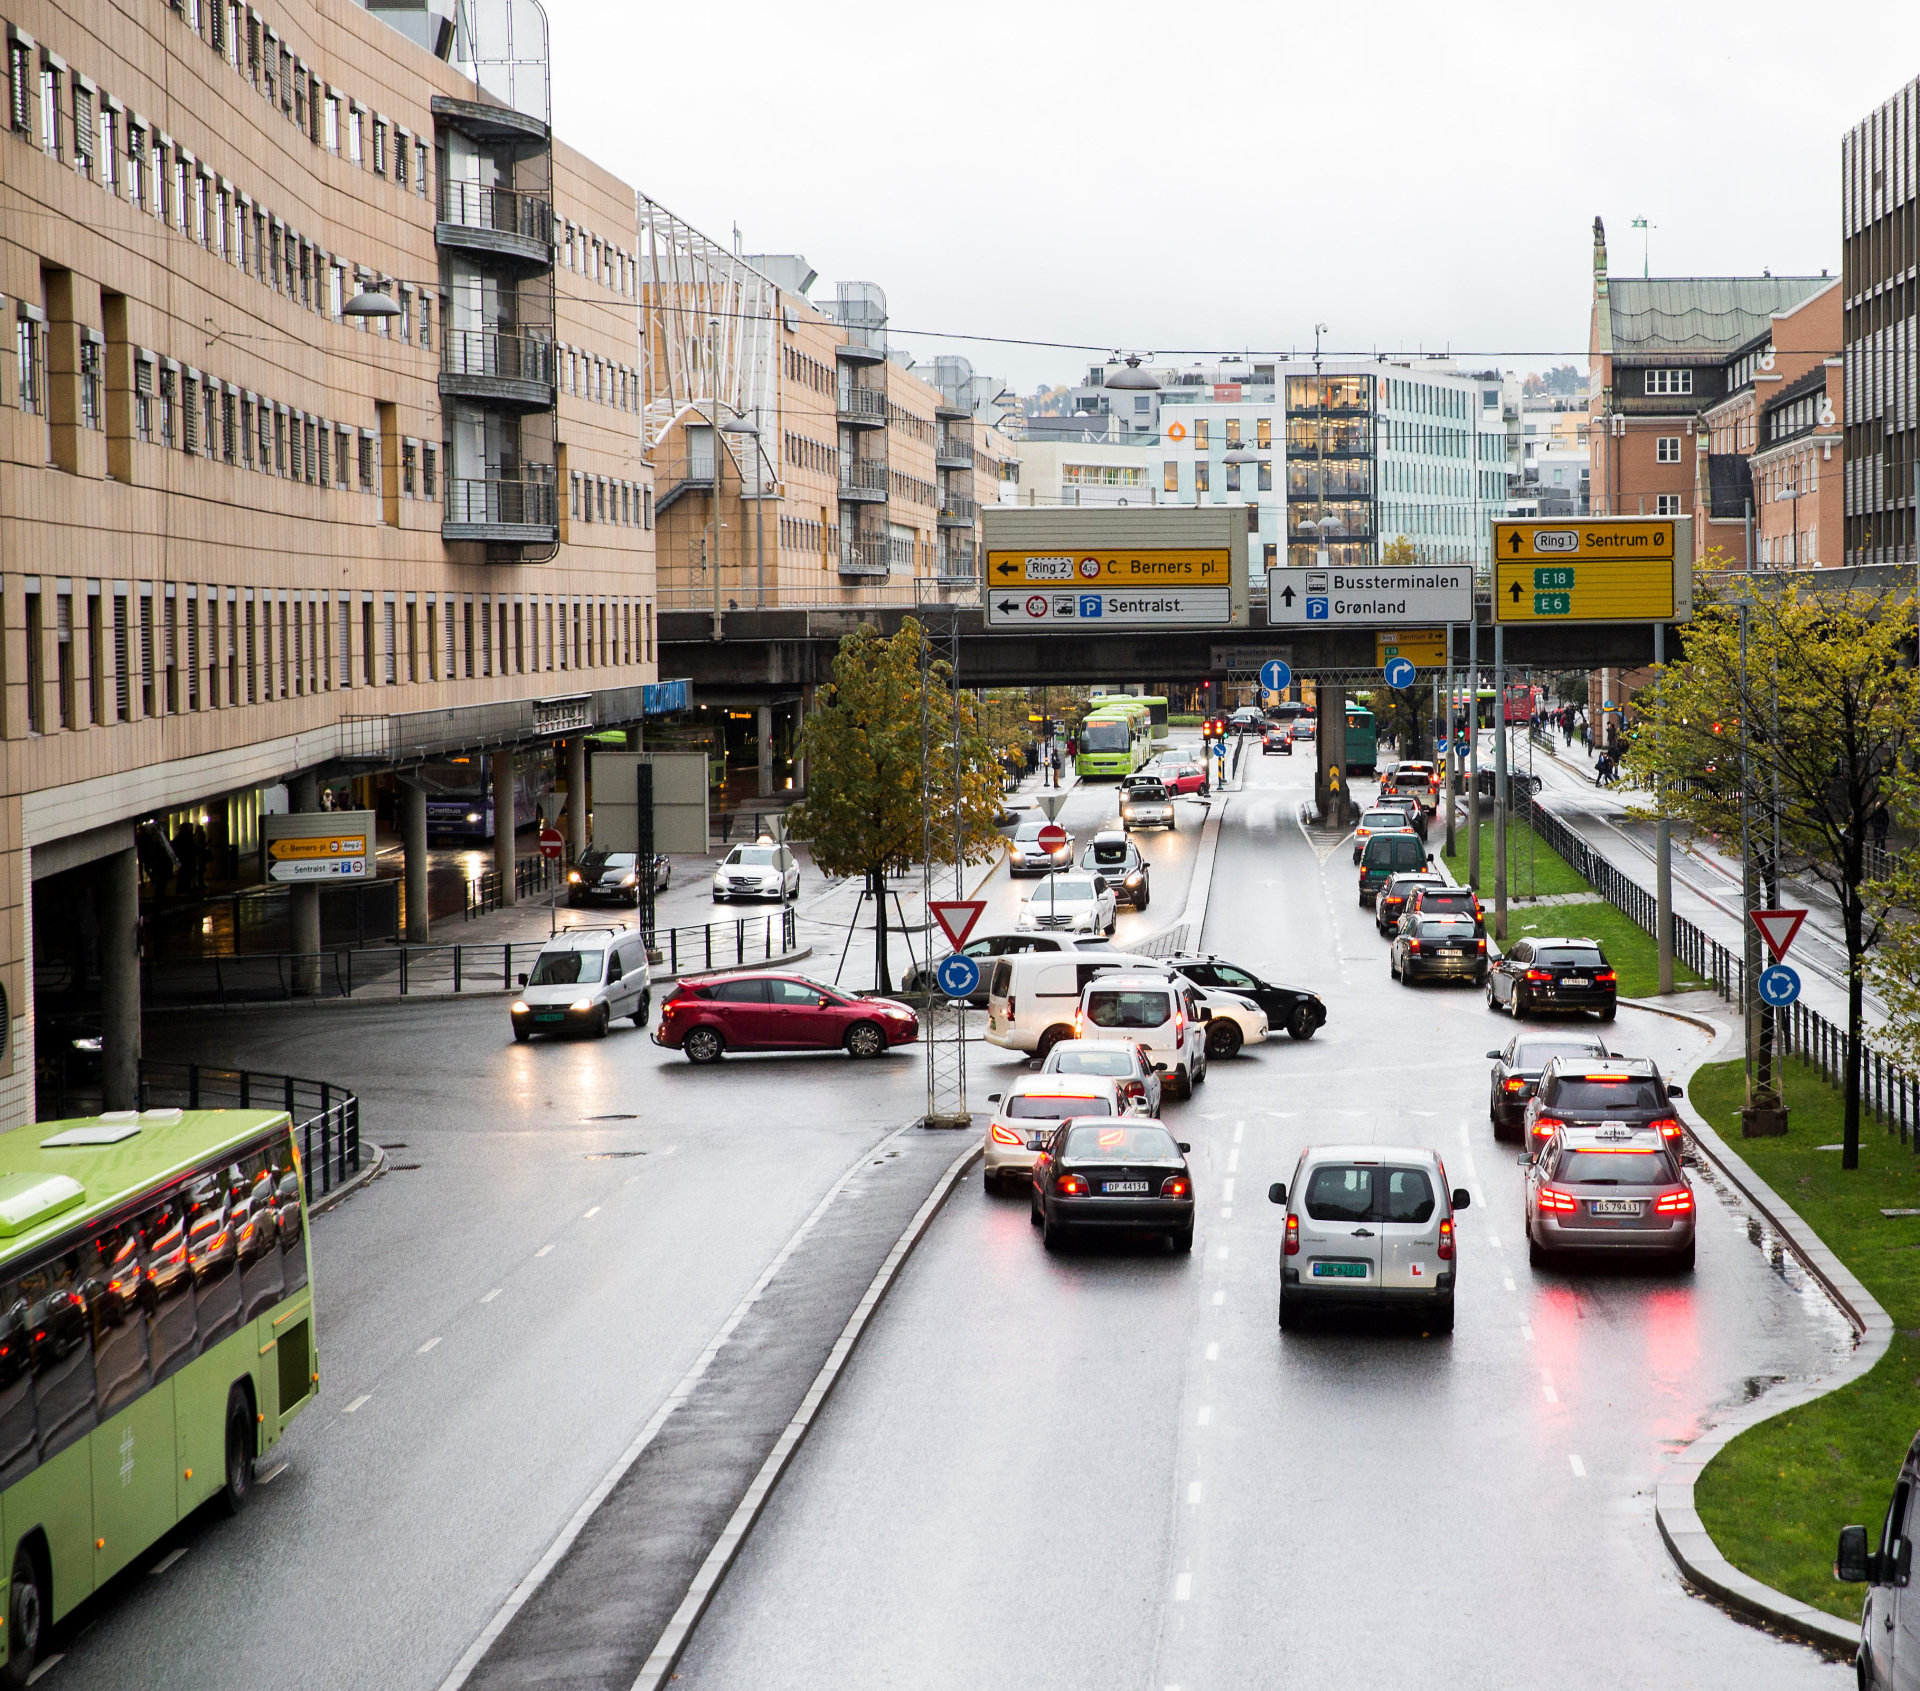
(1205, 1417)
(422, 1351)
(1546, 1385)
(1526, 1331)
(591, 1213)
(1507, 1281)
(1193, 1494)
(1221, 1254)
(1233, 1160)
(1226, 1190)
(1213, 1353)
(1493, 1239)
(1219, 1297)
(1182, 1587)
(543, 1250)
(493, 1294)
(357, 1402)
(1579, 1467)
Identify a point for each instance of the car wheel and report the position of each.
(26, 1616)
(1048, 1040)
(703, 1045)
(864, 1039)
(989, 1182)
(522, 1035)
(1181, 1238)
(1480, 979)
(1606, 1015)
(1053, 1234)
(643, 1012)
(1518, 1006)
(1393, 968)
(238, 1485)
(1536, 1253)
(1683, 1260)
(1146, 898)
(1224, 1040)
(1300, 1025)
(1033, 1208)
(1112, 923)
(1493, 1003)
(600, 1027)
(1443, 1316)
(1289, 1316)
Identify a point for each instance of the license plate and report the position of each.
(551, 1016)
(1575, 980)
(1123, 1186)
(1036, 1141)
(1615, 1206)
(1339, 1271)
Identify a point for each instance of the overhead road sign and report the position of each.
(1070, 570)
(1399, 672)
(318, 845)
(958, 975)
(1778, 928)
(1779, 986)
(1426, 648)
(1275, 675)
(1192, 607)
(956, 916)
(1172, 566)
(1597, 569)
(1370, 596)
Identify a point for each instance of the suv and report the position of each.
(583, 980)
(1616, 1188)
(1118, 859)
(1437, 947)
(1368, 1225)
(1154, 1009)
(1439, 899)
(1580, 1091)
(1890, 1652)
(1147, 804)
(1553, 974)
(1391, 901)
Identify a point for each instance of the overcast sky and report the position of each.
(1223, 175)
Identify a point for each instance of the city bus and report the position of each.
(1156, 706)
(1362, 753)
(1114, 741)
(156, 1338)
(460, 794)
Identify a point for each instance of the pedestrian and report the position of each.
(1057, 765)
(1882, 825)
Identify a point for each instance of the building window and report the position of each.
(1266, 478)
(406, 469)
(1666, 449)
(1667, 505)
(429, 469)
(1200, 431)
(30, 348)
(1233, 478)
(366, 462)
(1201, 471)
(1170, 476)
(1669, 381)
(1263, 433)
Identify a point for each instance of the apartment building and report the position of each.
(320, 459)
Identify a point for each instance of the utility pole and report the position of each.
(1473, 746)
(1500, 783)
(1662, 853)
(1453, 760)
(1750, 935)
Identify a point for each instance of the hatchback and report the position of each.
(1182, 777)
(1147, 804)
(1117, 860)
(1378, 821)
(1026, 855)
(777, 1012)
(1617, 1188)
(1368, 1225)
(1581, 1091)
(1553, 974)
(1408, 807)
(1126, 1173)
(1429, 948)
(1516, 1074)
(1126, 1062)
(1277, 740)
(1024, 1117)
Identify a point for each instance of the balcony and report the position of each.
(507, 371)
(956, 512)
(497, 223)
(496, 510)
(677, 477)
(864, 557)
(956, 562)
(864, 407)
(864, 480)
(953, 450)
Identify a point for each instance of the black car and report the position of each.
(1439, 899)
(1601, 1092)
(1300, 1012)
(1276, 739)
(983, 949)
(1437, 948)
(1115, 856)
(612, 877)
(1390, 902)
(1553, 974)
(1113, 1173)
(1516, 1073)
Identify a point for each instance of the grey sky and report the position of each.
(1222, 175)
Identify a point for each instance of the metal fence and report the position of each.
(531, 877)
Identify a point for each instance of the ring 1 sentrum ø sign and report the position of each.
(1596, 569)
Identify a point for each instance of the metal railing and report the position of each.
(863, 475)
(954, 509)
(503, 211)
(953, 447)
(865, 557)
(865, 404)
(531, 876)
(528, 503)
(326, 1118)
(491, 352)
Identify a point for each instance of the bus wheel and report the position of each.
(26, 1615)
(240, 1452)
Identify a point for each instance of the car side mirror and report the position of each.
(1185, 1147)
(993, 1097)
(1159, 1068)
(523, 980)
(1277, 1192)
(1494, 1056)
(826, 1003)
(1462, 1198)
(1676, 1092)
(1852, 1565)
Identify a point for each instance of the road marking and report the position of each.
(1239, 1131)
(1226, 1212)
(1233, 1160)
(543, 1250)
(271, 1474)
(1221, 1254)
(1193, 1496)
(1579, 1467)
(1219, 1298)
(591, 1213)
(630, 1180)
(1493, 1239)
(1213, 1353)
(1526, 1331)
(1226, 1190)
(1205, 1417)
(168, 1560)
(422, 1351)
(362, 1398)
(1182, 1587)
(1546, 1385)
(1507, 1281)
(1466, 1138)
(45, 1668)
(493, 1294)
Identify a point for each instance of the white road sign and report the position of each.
(1371, 597)
(1109, 607)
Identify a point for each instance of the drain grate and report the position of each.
(617, 1116)
(611, 1156)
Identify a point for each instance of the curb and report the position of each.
(371, 1169)
(1682, 1531)
(1192, 919)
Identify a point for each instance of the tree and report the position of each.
(863, 813)
(1827, 699)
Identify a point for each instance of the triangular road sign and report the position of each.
(956, 917)
(1052, 802)
(1777, 928)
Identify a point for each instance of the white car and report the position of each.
(1146, 804)
(1081, 903)
(1232, 1021)
(1025, 855)
(1155, 1009)
(1027, 1112)
(764, 870)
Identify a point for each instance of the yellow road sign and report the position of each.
(1425, 648)
(1137, 567)
(1596, 569)
(323, 845)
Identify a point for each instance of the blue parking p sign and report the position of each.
(958, 975)
(1399, 672)
(1316, 610)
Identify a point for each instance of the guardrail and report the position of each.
(531, 876)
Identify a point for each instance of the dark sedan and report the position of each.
(612, 877)
(1553, 974)
(1609, 1092)
(1391, 903)
(1516, 1073)
(1429, 948)
(1113, 1174)
(1300, 1012)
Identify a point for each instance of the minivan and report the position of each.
(1157, 1009)
(1031, 998)
(584, 979)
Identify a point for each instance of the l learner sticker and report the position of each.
(1416, 1269)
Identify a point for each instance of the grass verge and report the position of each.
(1777, 1496)
(1534, 868)
(1629, 947)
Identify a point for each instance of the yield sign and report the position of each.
(1777, 928)
(956, 917)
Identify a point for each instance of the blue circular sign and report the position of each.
(958, 975)
(1275, 676)
(1400, 672)
(1779, 986)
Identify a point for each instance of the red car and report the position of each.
(1183, 777)
(774, 1012)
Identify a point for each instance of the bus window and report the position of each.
(62, 1359)
(174, 1336)
(293, 1240)
(257, 1227)
(117, 1293)
(17, 1453)
(210, 1249)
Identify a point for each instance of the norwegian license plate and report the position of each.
(1339, 1271)
(1615, 1206)
(1575, 980)
(551, 1016)
(1122, 1186)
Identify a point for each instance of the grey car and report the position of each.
(1617, 1190)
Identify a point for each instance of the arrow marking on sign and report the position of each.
(1007, 605)
(1286, 596)
(1513, 544)
(1009, 569)
(1515, 591)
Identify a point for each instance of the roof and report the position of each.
(581, 934)
(164, 1145)
(1062, 1085)
(1711, 314)
(1370, 1153)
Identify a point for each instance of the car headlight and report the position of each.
(573, 875)
(519, 1007)
(1133, 880)
(628, 880)
(581, 1004)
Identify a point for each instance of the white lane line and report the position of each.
(1466, 1135)
(493, 1294)
(168, 1560)
(1233, 1160)
(1226, 1190)
(1507, 1281)
(1193, 1497)
(1213, 1353)
(1493, 1239)
(591, 1213)
(1221, 1254)
(362, 1398)
(1205, 1417)
(1182, 1587)
(46, 1668)
(1239, 1131)
(1579, 1467)
(422, 1351)
(630, 1180)
(1546, 1385)
(543, 1250)
(1226, 1212)
(1526, 1331)
(1219, 1297)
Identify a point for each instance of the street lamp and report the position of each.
(371, 302)
(1132, 379)
(751, 431)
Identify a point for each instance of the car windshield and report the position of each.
(764, 856)
(1394, 851)
(1063, 890)
(1105, 737)
(1034, 1108)
(1570, 956)
(1068, 1061)
(1151, 791)
(618, 860)
(1340, 1193)
(566, 968)
(1615, 1168)
(1573, 1092)
(1537, 1053)
(1028, 831)
(1125, 1008)
(1115, 1142)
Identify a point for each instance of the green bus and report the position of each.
(1114, 741)
(1156, 708)
(156, 1338)
(1362, 752)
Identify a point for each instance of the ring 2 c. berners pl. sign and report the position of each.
(1094, 570)
(1371, 595)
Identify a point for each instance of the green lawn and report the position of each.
(1629, 947)
(1776, 1498)
(1534, 868)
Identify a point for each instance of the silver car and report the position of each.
(1369, 1226)
(1026, 856)
(1126, 1062)
(1146, 804)
(1616, 1189)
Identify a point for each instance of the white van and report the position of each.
(1031, 999)
(1889, 1654)
(584, 979)
(1157, 1008)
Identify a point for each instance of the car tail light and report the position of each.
(1605, 975)
(1480, 945)
(1545, 1126)
(1176, 1186)
(1071, 1186)
(1005, 1135)
(1673, 1203)
(1446, 1240)
(1513, 1083)
(1292, 1246)
(1009, 1006)
(1179, 1026)
(1413, 945)
(1552, 1198)
(1669, 1126)
(1134, 1089)
(1539, 974)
